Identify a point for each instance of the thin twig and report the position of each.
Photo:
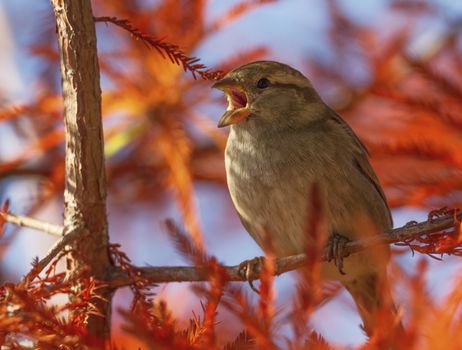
(59, 245)
(26, 172)
(25, 221)
(164, 274)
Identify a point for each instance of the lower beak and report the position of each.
(233, 117)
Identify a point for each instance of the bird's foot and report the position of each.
(249, 270)
(336, 250)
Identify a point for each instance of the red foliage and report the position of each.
(142, 296)
(31, 317)
(446, 241)
(173, 52)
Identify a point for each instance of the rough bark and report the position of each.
(85, 187)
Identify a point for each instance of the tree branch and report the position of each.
(25, 221)
(405, 234)
(163, 274)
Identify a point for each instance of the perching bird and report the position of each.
(284, 138)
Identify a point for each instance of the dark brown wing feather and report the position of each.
(361, 160)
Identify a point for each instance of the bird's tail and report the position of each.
(373, 299)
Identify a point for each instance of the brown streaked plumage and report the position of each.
(284, 138)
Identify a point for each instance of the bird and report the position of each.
(283, 139)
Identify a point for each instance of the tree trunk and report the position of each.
(85, 188)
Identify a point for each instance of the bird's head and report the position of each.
(267, 92)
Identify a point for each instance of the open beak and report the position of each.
(238, 104)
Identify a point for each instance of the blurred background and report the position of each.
(391, 68)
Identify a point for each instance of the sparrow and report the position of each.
(283, 139)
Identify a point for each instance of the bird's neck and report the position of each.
(259, 131)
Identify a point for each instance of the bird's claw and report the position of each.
(249, 270)
(336, 250)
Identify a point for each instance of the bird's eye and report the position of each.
(263, 83)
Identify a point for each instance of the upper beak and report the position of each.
(237, 102)
(225, 84)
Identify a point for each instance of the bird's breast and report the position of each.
(268, 190)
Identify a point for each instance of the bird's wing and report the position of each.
(361, 162)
